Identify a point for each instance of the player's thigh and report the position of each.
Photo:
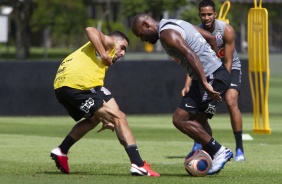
(110, 111)
(181, 114)
(108, 98)
(113, 104)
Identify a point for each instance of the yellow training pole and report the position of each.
(223, 16)
(258, 56)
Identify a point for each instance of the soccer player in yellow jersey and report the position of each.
(79, 87)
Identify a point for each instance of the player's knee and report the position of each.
(176, 121)
(231, 102)
(231, 98)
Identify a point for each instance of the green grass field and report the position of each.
(26, 142)
(98, 158)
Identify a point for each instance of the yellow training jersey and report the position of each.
(83, 69)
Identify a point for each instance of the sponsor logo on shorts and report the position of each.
(211, 109)
(92, 90)
(87, 105)
(233, 84)
(106, 91)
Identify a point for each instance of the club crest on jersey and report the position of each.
(219, 40)
(87, 105)
(211, 109)
(106, 91)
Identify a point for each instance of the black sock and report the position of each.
(66, 144)
(134, 155)
(212, 146)
(238, 139)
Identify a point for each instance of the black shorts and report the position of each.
(197, 102)
(235, 80)
(82, 103)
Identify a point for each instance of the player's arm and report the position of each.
(173, 40)
(229, 46)
(102, 44)
(186, 85)
(210, 38)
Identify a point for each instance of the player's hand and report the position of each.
(105, 126)
(185, 90)
(107, 60)
(212, 94)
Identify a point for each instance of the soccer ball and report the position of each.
(197, 163)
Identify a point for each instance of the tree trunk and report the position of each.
(47, 41)
(23, 14)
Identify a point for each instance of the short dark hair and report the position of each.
(119, 34)
(206, 3)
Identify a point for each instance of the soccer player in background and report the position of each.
(79, 87)
(186, 45)
(225, 39)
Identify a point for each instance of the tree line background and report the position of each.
(61, 24)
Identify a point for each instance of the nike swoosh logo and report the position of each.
(189, 106)
(233, 84)
(143, 172)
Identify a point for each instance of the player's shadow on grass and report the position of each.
(83, 173)
(106, 174)
(175, 157)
